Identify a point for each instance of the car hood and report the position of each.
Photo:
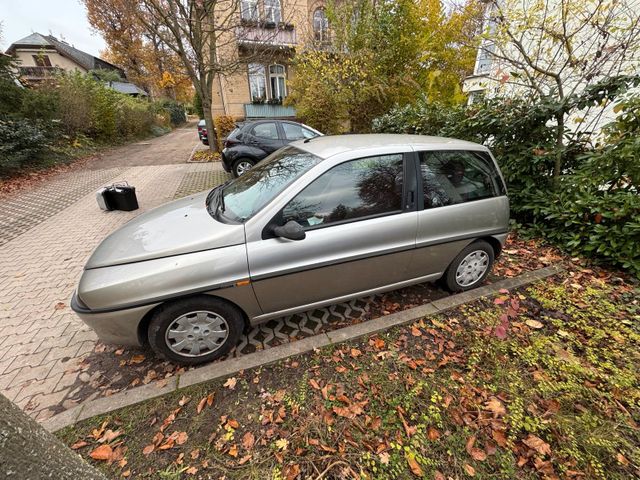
(176, 228)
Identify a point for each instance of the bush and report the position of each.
(224, 125)
(176, 112)
(593, 210)
(22, 144)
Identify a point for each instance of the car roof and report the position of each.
(329, 145)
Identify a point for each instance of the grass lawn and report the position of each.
(541, 382)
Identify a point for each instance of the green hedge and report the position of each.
(593, 209)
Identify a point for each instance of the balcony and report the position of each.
(38, 73)
(265, 110)
(265, 35)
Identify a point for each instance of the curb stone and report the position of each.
(225, 368)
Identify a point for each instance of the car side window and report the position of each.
(452, 177)
(266, 130)
(293, 132)
(352, 190)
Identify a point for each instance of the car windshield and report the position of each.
(242, 198)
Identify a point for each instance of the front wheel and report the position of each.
(241, 166)
(195, 330)
(470, 267)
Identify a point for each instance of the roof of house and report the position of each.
(127, 88)
(329, 145)
(85, 60)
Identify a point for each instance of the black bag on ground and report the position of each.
(119, 196)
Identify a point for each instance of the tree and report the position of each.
(28, 451)
(383, 53)
(147, 61)
(554, 49)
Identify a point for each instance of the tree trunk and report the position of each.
(29, 452)
(208, 119)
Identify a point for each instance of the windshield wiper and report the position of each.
(220, 198)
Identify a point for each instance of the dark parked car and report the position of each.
(202, 130)
(253, 141)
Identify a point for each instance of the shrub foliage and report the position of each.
(37, 124)
(594, 207)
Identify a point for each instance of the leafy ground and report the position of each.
(538, 382)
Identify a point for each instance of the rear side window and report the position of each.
(296, 132)
(266, 130)
(452, 177)
(352, 190)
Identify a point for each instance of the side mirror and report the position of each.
(290, 230)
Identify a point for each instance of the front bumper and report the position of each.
(120, 327)
(225, 160)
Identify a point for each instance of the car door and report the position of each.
(264, 135)
(463, 199)
(360, 224)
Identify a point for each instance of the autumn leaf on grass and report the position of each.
(182, 438)
(184, 400)
(291, 472)
(537, 444)
(282, 444)
(109, 436)
(314, 384)
(148, 449)
(248, 439)
(230, 383)
(384, 458)
(495, 406)
(97, 433)
(413, 464)
(208, 400)
(499, 437)
(79, 444)
(469, 469)
(534, 324)
(103, 452)
(191, 470)
(476, 453)
(233, 451)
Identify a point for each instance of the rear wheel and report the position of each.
(470, 267)
(195, 330)
(241, 166)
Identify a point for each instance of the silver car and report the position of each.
(318, 222)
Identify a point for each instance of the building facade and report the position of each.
(581, 46)
(39, 57)
(267, 35)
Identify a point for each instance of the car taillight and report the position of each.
(230, 142)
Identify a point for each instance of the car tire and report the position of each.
(470, 267)
(241, 165)
(203, 328)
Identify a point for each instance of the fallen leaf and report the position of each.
(148, 449)
(355, 352)
(182, 438)
(384, 458)
(244, 459)
(103, 452)
(191, 470)
(230, 383)
(469, 469)
(500, 437)
(233, 451)
(433, 434)
(314, 384)
(79, 444)
(413, 465)
(534, 324)
(248, 439)
(415, 331)
(137, 359)
(109, 436)
(495, 406)
(183, 401)
(537, 444)
(282, 444)
(500, 331)
(620, 457)
(59, 306)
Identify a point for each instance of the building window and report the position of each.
(272, 11)
(257, 82)
(42, 60)
(485, 58)
(278, 80)
(249, 10)
(320, 25)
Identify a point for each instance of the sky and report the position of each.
(64, 19)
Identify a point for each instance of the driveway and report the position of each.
(46, 235)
